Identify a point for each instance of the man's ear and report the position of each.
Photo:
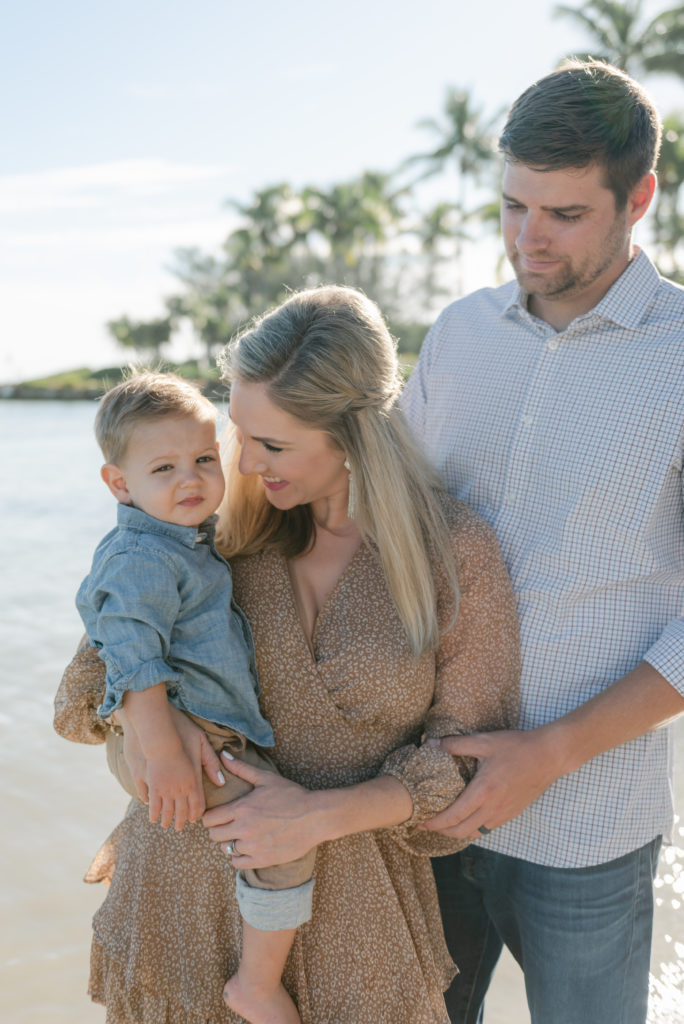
(640, 197)
(116, 482)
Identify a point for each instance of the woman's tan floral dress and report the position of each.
(168, 934)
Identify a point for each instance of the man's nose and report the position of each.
(532, 235)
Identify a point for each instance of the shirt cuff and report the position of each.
(149, 674)
(666, 655)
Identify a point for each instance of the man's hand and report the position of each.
(514, 768)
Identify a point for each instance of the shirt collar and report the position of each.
(624, 303)
(130, 518)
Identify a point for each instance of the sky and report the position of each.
(128, 126)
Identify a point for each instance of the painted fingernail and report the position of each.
(221, 779)
(228, 757)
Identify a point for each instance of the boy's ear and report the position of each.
(116, 482)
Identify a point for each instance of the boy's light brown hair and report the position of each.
(142, 396)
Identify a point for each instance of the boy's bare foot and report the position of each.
(260, 1006)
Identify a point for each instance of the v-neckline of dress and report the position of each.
(309, 642)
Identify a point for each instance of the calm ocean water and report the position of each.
(59, 801)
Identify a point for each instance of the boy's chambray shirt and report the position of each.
(571, 445)
(158, 602)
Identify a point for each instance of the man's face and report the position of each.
(565, 240)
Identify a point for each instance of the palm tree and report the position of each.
(466, 142)
(620, 34)
(668, 217)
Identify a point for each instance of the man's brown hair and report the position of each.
(586, 112)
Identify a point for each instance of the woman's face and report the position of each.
(297, 464)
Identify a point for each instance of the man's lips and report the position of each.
(536, 266)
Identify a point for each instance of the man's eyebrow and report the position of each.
(572, 208)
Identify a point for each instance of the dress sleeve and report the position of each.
(477, 679)
(80, 693)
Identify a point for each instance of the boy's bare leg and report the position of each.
(256, 991)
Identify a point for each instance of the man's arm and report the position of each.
(514, 768)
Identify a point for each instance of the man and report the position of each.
(555, 407)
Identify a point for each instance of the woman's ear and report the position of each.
(116, 482)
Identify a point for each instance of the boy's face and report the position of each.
(171, 470)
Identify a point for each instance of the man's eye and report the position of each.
(568, 217)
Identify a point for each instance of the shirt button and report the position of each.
(553, 344)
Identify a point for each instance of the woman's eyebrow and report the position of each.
(270, 440)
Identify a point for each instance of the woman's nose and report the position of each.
(250, 462)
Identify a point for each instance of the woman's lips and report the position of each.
(273, 484)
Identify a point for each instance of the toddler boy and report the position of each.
(158, 604)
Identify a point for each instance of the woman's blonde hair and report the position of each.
(328, 359)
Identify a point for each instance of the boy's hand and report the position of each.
(174, 792)
(198, 748)
(136, 761)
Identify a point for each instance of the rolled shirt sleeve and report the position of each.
(129, 614)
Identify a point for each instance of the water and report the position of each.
(59, 801)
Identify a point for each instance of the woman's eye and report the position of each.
(271, 447)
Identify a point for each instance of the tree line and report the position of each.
(372, 233)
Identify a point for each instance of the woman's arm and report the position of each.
(80, 693)
(281, 820)
(476, 687)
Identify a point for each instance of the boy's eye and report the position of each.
(162, 469)
(206, 458)
(271, 447)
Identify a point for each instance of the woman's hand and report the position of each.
(273, 824)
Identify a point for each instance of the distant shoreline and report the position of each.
(86, 385)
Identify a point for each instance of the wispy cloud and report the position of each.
(305, 71)
(91, 184)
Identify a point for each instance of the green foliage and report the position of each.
(619, 34)
(369, 232)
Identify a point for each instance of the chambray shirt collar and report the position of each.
(624, 304)
(130, 518)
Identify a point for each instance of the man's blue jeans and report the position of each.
(582, 936)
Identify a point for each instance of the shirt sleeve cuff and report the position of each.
(149, 674)
(666, 655)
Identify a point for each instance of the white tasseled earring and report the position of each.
(351, 502)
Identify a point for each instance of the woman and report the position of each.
(382, 616)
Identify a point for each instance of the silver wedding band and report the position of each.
(231, 848)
